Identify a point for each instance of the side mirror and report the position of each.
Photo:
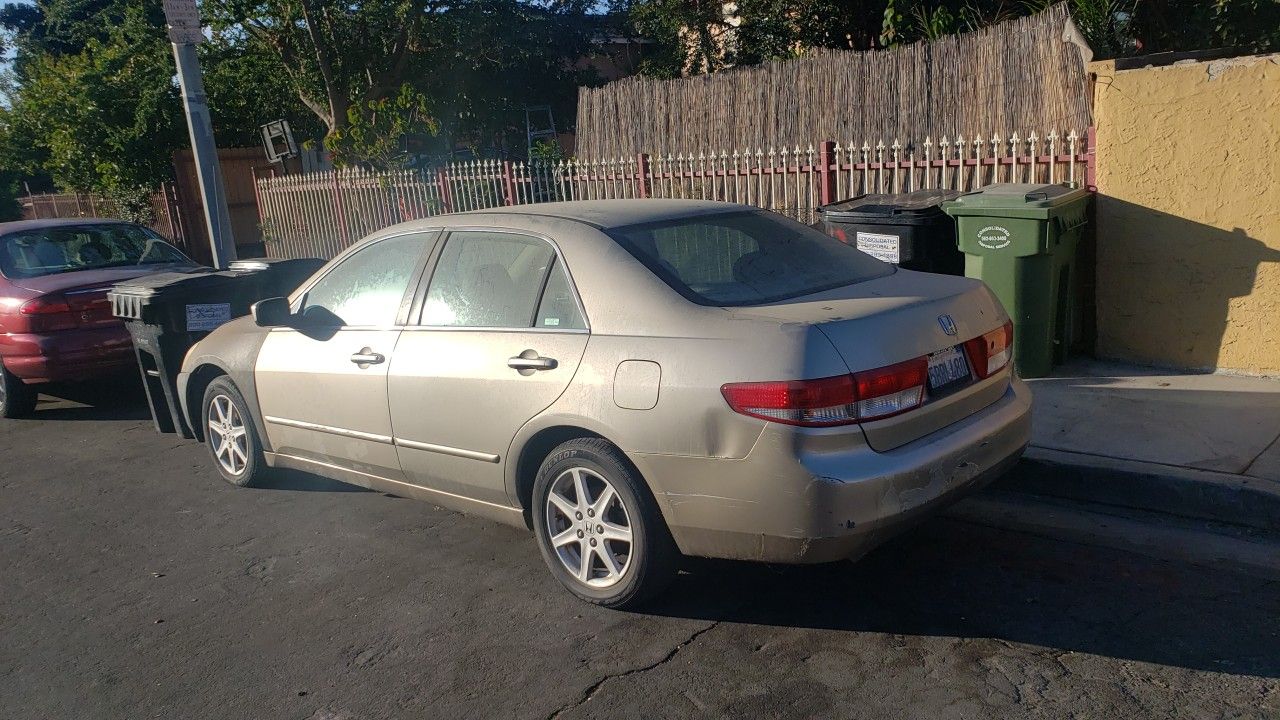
(272, 312)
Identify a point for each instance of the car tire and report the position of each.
(617, 573)
(17, 399)
(231, 436)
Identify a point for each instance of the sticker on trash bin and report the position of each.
(207, 316)
(880, 247)
(993, 237)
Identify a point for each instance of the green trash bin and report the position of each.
(1021, 240)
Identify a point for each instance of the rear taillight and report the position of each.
(48, 314)
(839, 400)
(990, 353)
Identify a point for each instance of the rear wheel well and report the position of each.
(200, 379)
(534, 452)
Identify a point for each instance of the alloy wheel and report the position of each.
(589, 527)
(228, 435)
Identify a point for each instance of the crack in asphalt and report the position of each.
(591, 691)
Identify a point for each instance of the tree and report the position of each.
(374, 133)
(337, 55)
(475, 63)
(753, 31)
(501, 56)
(95, 102)
(103, 118)
(692, 36)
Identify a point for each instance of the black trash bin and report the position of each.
(167, 313)
(906, 229)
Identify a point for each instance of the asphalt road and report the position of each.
(134, 583)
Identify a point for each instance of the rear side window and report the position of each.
(745, 258)
(559, 308)
(487, 279)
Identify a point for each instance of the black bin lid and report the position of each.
(152, 287)
(917, 206)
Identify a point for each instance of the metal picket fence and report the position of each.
(320, 214)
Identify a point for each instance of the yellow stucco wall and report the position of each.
(1188, 214)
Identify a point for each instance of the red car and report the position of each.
(55, 321)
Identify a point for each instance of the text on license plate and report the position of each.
(947, 366)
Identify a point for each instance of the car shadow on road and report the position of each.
(118, 397)
(281, 479)
(952, 579)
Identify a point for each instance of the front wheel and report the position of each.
(598, 526)
(17, 399)
(231, 436)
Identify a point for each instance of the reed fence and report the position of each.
(1026, 73)
(320, 214)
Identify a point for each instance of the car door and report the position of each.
(322, 383)
(500, 334)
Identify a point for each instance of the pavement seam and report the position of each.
(591, 691)
(1133, 462)
(1258, 457)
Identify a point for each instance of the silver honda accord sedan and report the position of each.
(635, 380)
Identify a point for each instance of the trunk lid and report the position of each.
(896, 318)
(104, 277)
(86, 290)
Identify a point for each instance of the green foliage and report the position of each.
(104, 117)
(95, 104)
(762, 30)
(689, 35)
(502, 56)
(247, 90)
(9, 208)
(546, 151)
(375, 130)
(94, 101)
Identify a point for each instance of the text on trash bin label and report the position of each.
(207, 316)
(993, 237)
(880, 247)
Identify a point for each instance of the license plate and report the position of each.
(947, 367)
(880, 247)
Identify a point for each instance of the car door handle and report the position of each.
(368, 357)
(534, 363)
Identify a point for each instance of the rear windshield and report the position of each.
(745, 258)
(68, 248)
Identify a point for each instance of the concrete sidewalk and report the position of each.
(1221, 423)
(1195, 445)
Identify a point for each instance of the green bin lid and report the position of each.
(1019, 196)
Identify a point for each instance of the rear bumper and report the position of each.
(796, 500)
(68, 355)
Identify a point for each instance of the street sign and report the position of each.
(183, 19)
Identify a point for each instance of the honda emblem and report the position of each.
(948, 324)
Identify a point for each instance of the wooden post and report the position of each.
(508, 184)
(1091, 158)
(339, 211)
(442, 182)
(827, 182)
(642, 174)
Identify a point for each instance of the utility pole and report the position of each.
(185, 33)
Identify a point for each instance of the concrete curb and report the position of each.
(1185, 492)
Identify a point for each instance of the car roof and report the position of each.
(21, 225)
(606, 214)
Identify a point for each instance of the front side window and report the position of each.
(366, 288)
(69, 248)
(487, 279)
(745, 258)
